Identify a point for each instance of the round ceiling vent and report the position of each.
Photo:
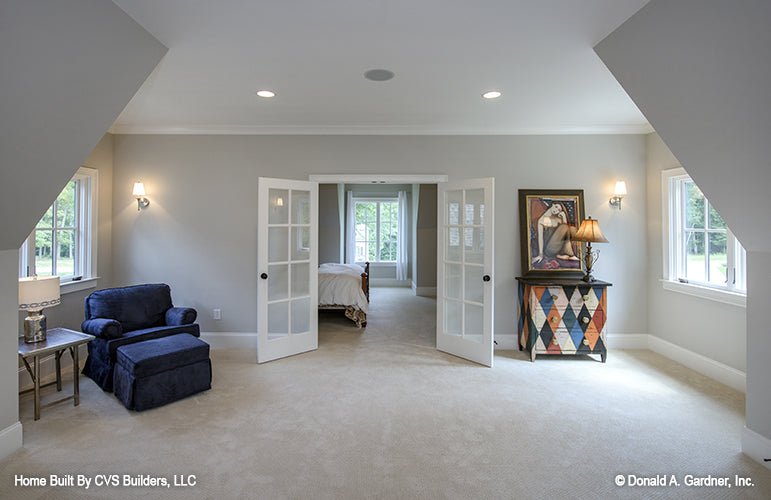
(379, 75)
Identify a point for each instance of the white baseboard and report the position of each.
(424, 291)
(627, 341)
(505, 341)
(48, 368)
(713, 369)
(230, 340)
(10, 439)
(756, 447)
(388, 282)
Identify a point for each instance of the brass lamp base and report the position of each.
(589, 259)
(34, 327)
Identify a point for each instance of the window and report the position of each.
(701, 249)
(62, 244)
(377, 228)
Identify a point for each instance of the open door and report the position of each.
(464, 306)
(287, 263)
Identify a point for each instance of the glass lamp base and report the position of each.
(34, 327)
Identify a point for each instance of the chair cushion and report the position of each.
(135, 307)
(149, 357)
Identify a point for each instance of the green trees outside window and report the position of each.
(56, 235)
(376, 231)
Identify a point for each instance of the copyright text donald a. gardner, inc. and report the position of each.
(688, 480)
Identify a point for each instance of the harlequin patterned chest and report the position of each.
(562, 316)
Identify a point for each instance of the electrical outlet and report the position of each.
(217, 313)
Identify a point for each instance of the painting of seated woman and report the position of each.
(548, 220)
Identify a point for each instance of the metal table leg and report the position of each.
(75, 381)
(58, 357)
(36, 362)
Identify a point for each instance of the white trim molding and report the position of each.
(377, 179)
(10, 439)
(230, 340)
(627, 341)
(706, 292)
(716, 370)
(756, 447)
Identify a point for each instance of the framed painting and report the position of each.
(548, 219)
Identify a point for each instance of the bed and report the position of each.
(345, 286)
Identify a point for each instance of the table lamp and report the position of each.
(589, 231)
(35, 293)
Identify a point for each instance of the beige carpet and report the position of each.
(379, 413)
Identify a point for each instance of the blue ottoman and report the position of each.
(158, 371)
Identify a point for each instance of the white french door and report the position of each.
(464, 306)
(287, 267)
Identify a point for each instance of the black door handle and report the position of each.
(486, 277)
(264, 276)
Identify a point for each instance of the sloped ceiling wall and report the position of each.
(699, 72)
(69, 67)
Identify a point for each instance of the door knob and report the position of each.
(486, 277)
(264, 276)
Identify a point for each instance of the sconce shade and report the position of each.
(139, 189)
(620, 189)
(589, 231)
(35, 293)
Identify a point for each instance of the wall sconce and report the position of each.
(139, 193)
(618, 194)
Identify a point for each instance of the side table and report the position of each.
(57, 341)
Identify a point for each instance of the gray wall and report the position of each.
(199, 232)
(68, 68)
(712, 329)
(329, 224)
(426, 237)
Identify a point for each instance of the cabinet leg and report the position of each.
(604, 356)
(532, 355)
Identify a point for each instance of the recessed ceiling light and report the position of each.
(266, 93)
(379, 75)
(491, 94)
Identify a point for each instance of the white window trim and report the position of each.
(87, 235)
(669, 246)
(375, 199)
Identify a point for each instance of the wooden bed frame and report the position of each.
(364, 288)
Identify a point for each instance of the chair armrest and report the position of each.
(180, 316)
(102, 327)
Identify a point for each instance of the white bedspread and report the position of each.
(340, 284)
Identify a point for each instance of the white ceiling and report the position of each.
(445, 53)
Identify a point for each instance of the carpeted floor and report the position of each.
(379, 413)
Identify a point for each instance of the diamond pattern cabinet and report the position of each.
(562, 316)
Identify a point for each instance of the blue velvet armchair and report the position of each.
(120, 316)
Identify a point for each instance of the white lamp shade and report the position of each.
(139, 189)
(620, 189)
(35, 293)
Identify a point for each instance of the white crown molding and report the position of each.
(382, 179)
(640, 129)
